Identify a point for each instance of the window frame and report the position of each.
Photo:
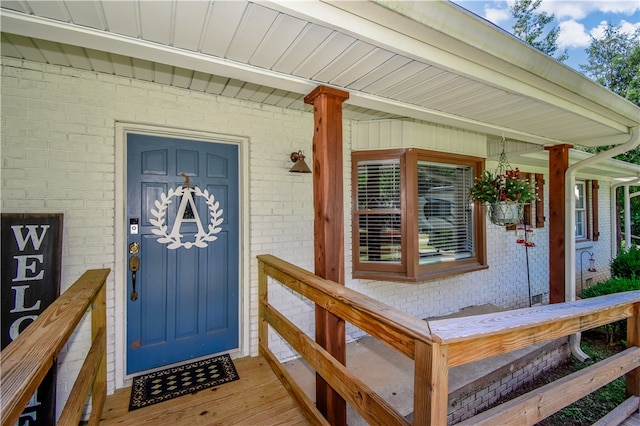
(409, 268)
(592, 228)
(583, 211)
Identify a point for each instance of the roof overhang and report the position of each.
(430, 61)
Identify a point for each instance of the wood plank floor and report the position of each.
(633, 420)
(257, 398)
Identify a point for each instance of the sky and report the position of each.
(578, 20)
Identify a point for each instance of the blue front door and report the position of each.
(183, 227)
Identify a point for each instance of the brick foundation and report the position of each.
(479, 395)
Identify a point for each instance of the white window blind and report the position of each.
(581, 211)
(378, 211)
(445, 216)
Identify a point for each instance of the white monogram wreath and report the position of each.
(175, 242)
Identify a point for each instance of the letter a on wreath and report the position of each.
(173, 237)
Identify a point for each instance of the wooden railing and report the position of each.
(436, 346)
(26, 360)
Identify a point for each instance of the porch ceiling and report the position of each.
(430, 61)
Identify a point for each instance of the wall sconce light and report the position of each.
(300, 166)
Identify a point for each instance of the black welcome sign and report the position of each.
(31, 267)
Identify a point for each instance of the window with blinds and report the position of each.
(586, 212)
(581, 211)
(412, 217)
(378, 211)
(445, 215)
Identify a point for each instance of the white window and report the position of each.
(581, 210)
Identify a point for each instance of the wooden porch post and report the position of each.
(558, 164)
(328, 203)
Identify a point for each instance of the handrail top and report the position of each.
(395, 318)
(458, 329)
(25, 360)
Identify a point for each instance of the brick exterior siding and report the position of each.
(59, 155)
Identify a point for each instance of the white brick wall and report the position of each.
(58, 155)
(601, 249)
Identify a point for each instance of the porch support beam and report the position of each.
(558, 164)
(328, 204)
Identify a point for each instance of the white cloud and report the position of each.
(565, 9)
(629, 27)
(625, 27)
(598, 32)
(579, 9)
(577, 19)
(615, 6)
(572, 35)
(576, 10)
(496, 16)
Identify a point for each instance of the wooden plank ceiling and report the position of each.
(262, 40)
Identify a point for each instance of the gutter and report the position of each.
(570, 224)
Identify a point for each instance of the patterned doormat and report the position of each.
(171, 383)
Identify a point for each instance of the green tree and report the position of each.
(614, 62)
(531, 25)
(633, 82)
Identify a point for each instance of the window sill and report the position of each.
(583, 244)
(422, 277)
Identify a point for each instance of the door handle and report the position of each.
(134, 265)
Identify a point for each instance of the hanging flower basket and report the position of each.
(504, 213)
(505, 192)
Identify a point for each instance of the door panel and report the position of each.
(188, 294)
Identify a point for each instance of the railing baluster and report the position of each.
(632, 381)
(99, 322)
(263, 300)
(431, 377)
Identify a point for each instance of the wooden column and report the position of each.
(558, 164)
(328, 203)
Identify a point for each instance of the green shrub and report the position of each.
(616, 331)
(613, 285)
(626, 264)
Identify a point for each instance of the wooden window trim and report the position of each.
(540, 218)
(587, 216)
(409, 269)
(595, 228)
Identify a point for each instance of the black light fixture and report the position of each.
(300, 166)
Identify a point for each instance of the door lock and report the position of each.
(134, 265)
(134, 247)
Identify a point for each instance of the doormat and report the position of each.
(164, 385)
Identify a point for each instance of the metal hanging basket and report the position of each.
(504, 191)
(505, 213)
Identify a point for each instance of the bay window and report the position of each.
(412, 217)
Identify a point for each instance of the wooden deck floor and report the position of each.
(257, 398)
(633, 420)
